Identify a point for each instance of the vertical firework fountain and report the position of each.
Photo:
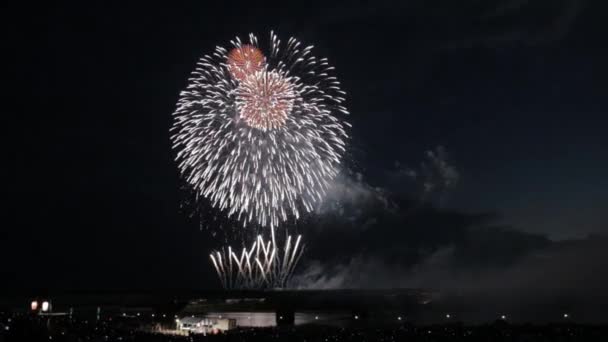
(264, 265)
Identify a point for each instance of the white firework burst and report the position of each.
(261, 133)
(263, 265)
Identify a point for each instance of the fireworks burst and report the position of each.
(265, 99)
(263, 265)
(245, 60)
(260, 132)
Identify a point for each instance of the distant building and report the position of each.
(205, 325)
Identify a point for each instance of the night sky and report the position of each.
(515, 91)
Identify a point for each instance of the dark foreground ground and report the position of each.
(35, 328)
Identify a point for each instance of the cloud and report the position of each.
(372, 240)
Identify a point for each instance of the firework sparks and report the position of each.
(264, 99)
(260, 132)
(244, 60)
(263, 265)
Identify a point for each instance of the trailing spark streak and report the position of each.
(263, 265)
(260, 132)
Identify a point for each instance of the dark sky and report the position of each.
(514, 89)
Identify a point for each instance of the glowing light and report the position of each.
(566, 315)
(448, 316)
(34, 305)
(264, 144)
(356, 317)
(503, 317)
(45, 306)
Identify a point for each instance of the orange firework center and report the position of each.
(265, 99)
(244, 61)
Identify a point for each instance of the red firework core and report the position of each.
(244, 61)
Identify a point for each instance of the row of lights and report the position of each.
(153, 315)
(449, 316)
(399, 318)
